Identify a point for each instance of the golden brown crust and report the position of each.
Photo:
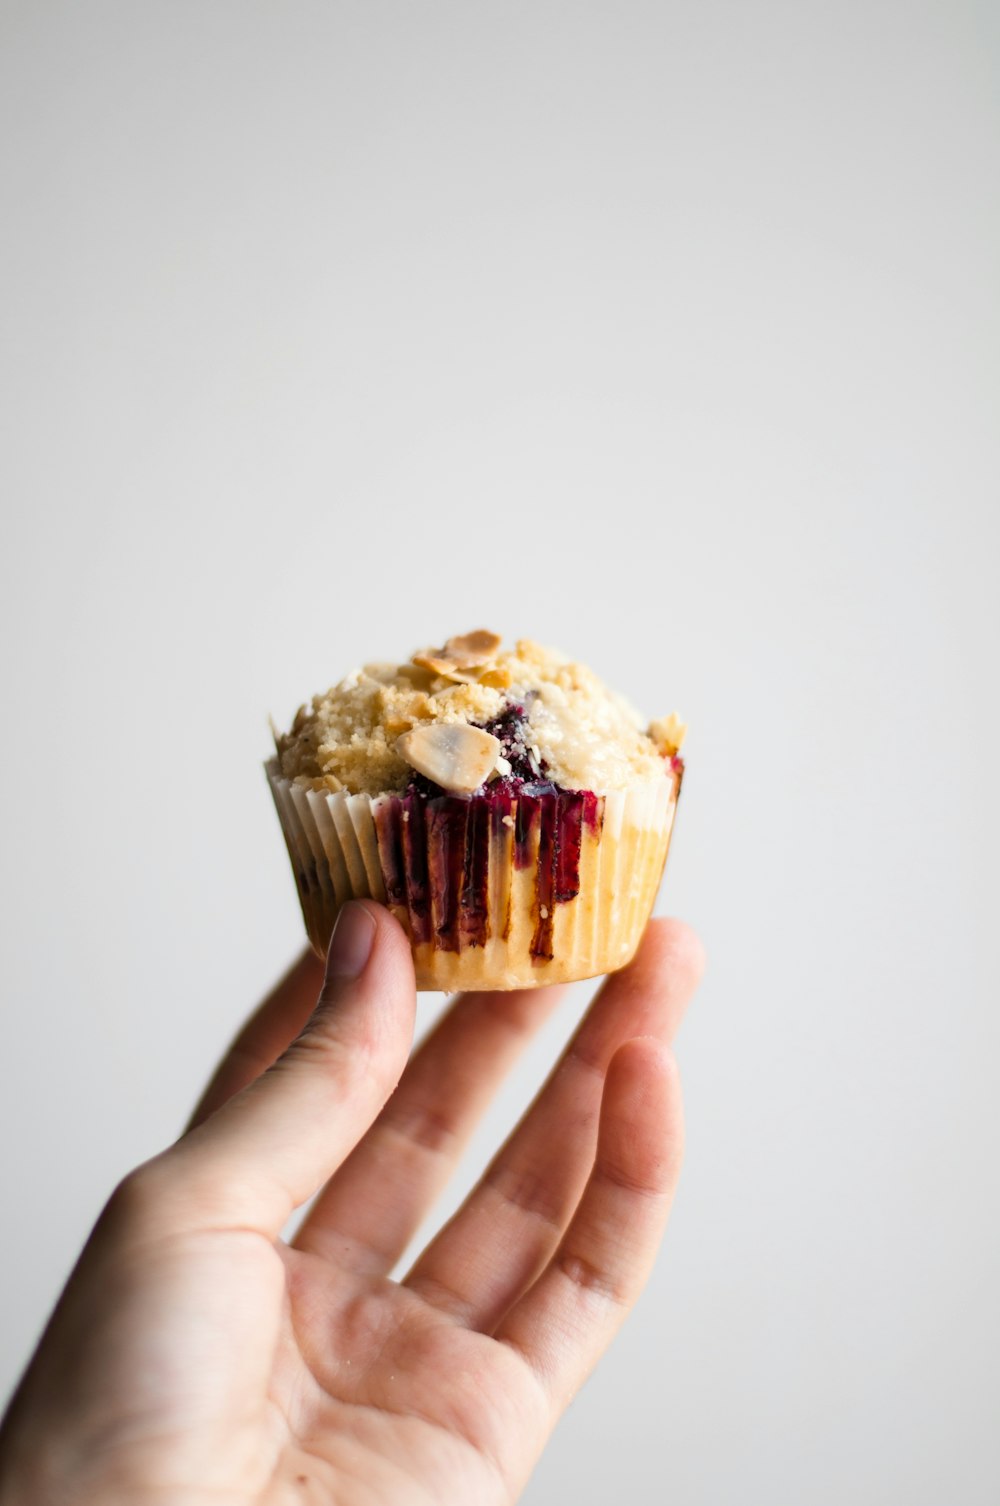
(586, 735)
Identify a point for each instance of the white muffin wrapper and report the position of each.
(334, 847)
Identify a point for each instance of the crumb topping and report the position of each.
(359, 735)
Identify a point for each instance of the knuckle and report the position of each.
(421, 1124)
(649, 1181)
(528, 1190)
(352, 1051)
(332, 1038)
(316, 1041)
(592, 1279)
(134, 1200)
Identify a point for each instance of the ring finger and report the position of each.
(507, 1229)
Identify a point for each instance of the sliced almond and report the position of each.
(473, 648)
(454, 755)
(497, 677)
(447, 668)
(417, 675)
(500, 769)
(461, 656)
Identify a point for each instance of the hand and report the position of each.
(195, 1359)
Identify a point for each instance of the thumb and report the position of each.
(268, 1149)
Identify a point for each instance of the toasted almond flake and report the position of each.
(454, 755)
(502, 765)
(473, 648)
(420, 676)
(430, 659)
(462, 656)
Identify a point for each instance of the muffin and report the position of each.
(512, 811)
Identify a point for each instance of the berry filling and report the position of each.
(434, 847)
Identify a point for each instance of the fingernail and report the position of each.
(351, 942)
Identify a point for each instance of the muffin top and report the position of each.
(468, 714)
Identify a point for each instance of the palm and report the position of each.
(339, 1378)
(231, 1368)
(395, 1393)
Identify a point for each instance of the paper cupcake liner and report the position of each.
(493, 893)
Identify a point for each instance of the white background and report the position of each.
(669, 335)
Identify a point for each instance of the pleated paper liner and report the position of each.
(508, 892)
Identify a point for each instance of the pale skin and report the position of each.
(198, 1359)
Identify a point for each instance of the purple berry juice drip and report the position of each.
(561, 818)
(545, 887)
(434, 847)
(388, 815)
(418, 884)
(447, 846)
(475, 912)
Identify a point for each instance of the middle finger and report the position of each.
(505, 1232)
(374, 1203)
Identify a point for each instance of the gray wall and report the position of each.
(667, 334)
